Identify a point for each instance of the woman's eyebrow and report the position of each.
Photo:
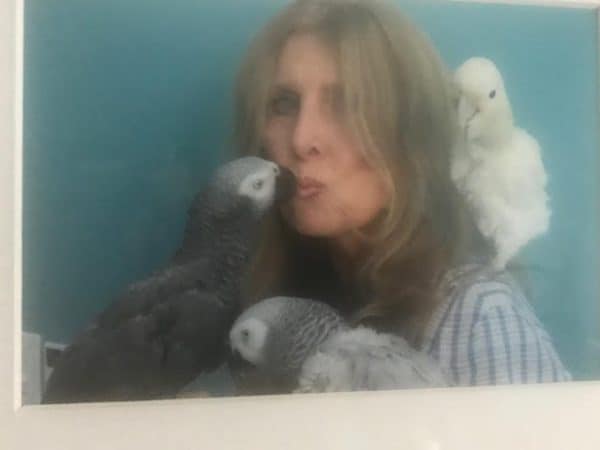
(283, 88)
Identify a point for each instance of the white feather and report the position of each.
(496, 165)
(362, 359)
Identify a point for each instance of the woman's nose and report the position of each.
(307, 140)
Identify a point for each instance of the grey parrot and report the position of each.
(301, 345)
(162, 332)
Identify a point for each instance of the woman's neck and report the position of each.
(346, 252)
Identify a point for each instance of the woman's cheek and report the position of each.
(276, 143)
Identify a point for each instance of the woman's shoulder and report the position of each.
(474, 292)
(485, 331)
(479, 286)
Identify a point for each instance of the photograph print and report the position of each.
(307, 196)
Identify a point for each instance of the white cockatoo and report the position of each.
(496, 165)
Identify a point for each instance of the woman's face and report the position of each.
(305, 132)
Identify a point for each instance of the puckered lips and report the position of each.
(308, 187)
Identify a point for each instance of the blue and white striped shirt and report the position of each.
(485, 332)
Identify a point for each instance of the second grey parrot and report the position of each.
(306, 346)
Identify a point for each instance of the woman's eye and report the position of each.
(257, 184)
(284, 105)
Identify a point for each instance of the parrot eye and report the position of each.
(245, 335)
(257, 184)
(493, 93)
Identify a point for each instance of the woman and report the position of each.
(353, 99)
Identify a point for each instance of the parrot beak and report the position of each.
(248, 380)
(239, 369)
(285, 185)
(466, 111)
(238, 363)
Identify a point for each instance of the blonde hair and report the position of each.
(402, 110)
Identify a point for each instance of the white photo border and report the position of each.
(561, 416)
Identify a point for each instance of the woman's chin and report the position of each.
(313, 228)
(312, 222)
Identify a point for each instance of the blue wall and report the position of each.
(127, 108)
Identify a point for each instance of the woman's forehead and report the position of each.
(306, 59)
